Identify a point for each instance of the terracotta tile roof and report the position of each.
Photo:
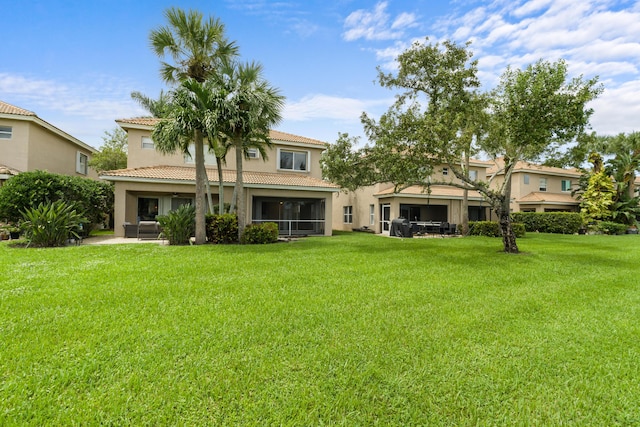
(186, 173)
(523, 166)
(437, 192)
(12, 109)
(273, 134)
(6, 170)
(538, 197)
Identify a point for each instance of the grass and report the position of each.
(350, 330)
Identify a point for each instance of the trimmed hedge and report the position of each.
(550, 222)
(492, 229)
(611, 228)
(222, 228)
(266, 232)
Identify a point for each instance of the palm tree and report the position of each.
(156, 107)
(250, 106)
(198, 49)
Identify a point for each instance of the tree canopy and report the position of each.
(113, 153)
(440, 115)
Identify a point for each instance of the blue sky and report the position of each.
(75, 62)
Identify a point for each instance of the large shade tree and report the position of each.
(198, 48)
(437, 115)
(249, 107)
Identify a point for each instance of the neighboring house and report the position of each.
(286, 188)
(375, 206)
(29, 143)
(537, 188)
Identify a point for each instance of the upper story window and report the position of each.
(253, 153)
(566, 185)
(525, 179)
(293, 160)
(209, 156)
(5, 132)
(81, 163)
(473, 175)
(543, 184)
(445, 171)
(147, 142)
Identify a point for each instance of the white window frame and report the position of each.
(209, 156)
(562, 185)
(473, 175)
(253, 153)
(6, 132)
(347, 214)
(543, 184)
(372, 214)
(525, 179)
(147, 143)
(307, 153)
(82, 163)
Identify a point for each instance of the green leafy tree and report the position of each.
(113, 153)
(597, 200)
(530, 110)
(198, 48)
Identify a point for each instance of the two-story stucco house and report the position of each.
(286, 187)
(537, 188)
(375, 206)
(29, 143)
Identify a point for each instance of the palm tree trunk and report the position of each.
(201, 178)
(209, 199)
(220, 187)
(241, 205)
(465, 199)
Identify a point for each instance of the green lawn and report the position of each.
(350, 330)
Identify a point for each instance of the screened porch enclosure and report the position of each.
(293, 216)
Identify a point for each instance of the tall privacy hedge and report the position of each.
(28, 190)
(550, 222)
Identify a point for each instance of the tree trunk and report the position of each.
(209, 199)
(504, 218)
(201, 177)
(240, 202)
(220, 187)
(465, 200)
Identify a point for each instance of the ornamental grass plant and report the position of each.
(355, 329)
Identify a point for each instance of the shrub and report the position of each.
(222, 228)
(179, 225)
(266, 232)
(550, 222)
(27, 190)
(492, 229)
(612, 228)
(51, 224)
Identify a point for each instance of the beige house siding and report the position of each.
(278, 195)
(444, 203)
(37, 145)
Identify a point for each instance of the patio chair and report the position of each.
(148, 230)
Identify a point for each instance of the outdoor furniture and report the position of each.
(148, 230)
(130, 230)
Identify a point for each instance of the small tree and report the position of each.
(431, 121)
(113, 153)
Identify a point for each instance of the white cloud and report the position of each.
(375, 25)
(319, 106)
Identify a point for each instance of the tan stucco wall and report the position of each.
(127, 193)
(33, 147)
(14, 152)
(144, 157)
